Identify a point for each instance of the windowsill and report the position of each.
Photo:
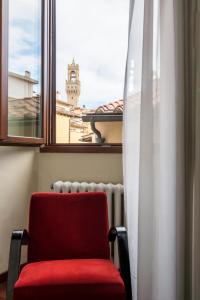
(82, 148)
(65, 148)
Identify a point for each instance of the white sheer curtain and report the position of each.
(153, 153)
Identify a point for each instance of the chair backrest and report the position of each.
(68, 226)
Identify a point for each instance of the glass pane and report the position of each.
(24, 77)
(90, 66)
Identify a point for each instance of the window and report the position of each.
(25, 68)
(23, 90)
(62, 73)
(91, 47)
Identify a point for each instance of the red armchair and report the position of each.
(68, 251)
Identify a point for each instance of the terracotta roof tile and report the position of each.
(24, 108)
(30, 108)
(112, 107)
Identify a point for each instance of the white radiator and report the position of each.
(115, 198)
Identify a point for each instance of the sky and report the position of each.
(93, 32)
(25, 38)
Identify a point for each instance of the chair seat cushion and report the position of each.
(77, 279)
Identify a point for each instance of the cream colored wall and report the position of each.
(26, 170)
(78, 167)
(111, 131)
(62, 128)
(64, 134)
(18, 173)
(75, 135)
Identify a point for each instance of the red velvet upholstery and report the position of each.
(84, 279)
(65, 226)
(68, 251)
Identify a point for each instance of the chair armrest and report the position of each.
(121, 234)
(18, 238)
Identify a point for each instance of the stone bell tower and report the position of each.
(73, 85)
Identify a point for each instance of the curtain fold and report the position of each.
(153, 153)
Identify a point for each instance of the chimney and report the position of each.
(28, 74)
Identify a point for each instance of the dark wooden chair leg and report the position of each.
(18, 238)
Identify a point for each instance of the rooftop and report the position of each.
(26, 77)
(24, 108)
(112, 107)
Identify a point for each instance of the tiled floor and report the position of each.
(2, 291)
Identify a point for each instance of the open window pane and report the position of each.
(91, 47)
(24, 68)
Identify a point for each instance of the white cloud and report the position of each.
(95, 32)
(24, 34)
(26, 10)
